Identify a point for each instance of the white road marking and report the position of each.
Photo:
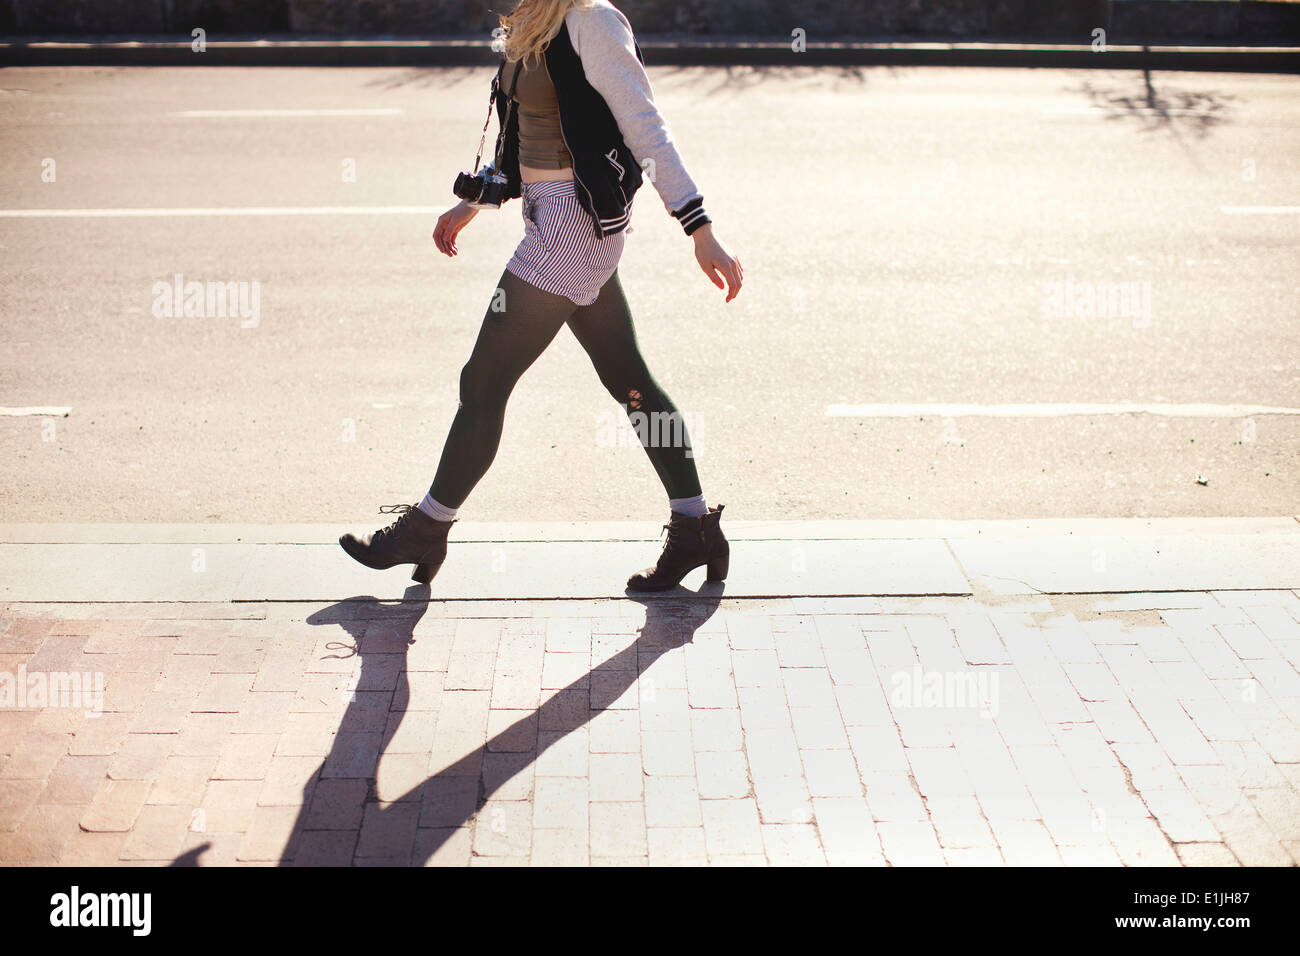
(241, 114)
(53, 411)
(1260, 210)
(1054, 410)
(221, 211)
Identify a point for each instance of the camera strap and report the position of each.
(492, 99)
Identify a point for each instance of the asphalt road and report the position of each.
(903, 233)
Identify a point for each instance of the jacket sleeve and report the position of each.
(602, 37)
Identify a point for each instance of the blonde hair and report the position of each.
(531, 26)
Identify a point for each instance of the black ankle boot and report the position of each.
(413, 538)
(691, 543)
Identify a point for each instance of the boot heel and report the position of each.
(424, 573)
(717, 568)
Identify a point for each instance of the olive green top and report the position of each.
(541, 144)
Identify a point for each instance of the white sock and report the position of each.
(433, 509)
(695, 507)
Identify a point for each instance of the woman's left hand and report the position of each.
(450, 223)
(716, 262)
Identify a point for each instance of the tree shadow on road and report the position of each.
(741, 78)
(432, 77)
(1151, 109)
(728, 78)
(342, 818)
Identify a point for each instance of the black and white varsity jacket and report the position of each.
(608, 120)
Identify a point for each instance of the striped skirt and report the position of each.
(560, 252)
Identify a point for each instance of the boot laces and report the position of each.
(681, 533)
(403, 510)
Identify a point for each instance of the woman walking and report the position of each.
(579, 131)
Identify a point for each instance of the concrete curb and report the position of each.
(135, 563)
(441, 51)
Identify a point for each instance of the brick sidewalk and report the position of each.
(1084, 730)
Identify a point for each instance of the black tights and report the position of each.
(520, 323)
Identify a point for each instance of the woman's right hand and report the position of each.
(450, 223)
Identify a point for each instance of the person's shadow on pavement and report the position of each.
(412, 827)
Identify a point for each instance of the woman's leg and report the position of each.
(605, 331)
(520, 323)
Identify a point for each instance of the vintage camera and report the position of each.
(485, 189)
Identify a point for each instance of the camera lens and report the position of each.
(468, 187)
